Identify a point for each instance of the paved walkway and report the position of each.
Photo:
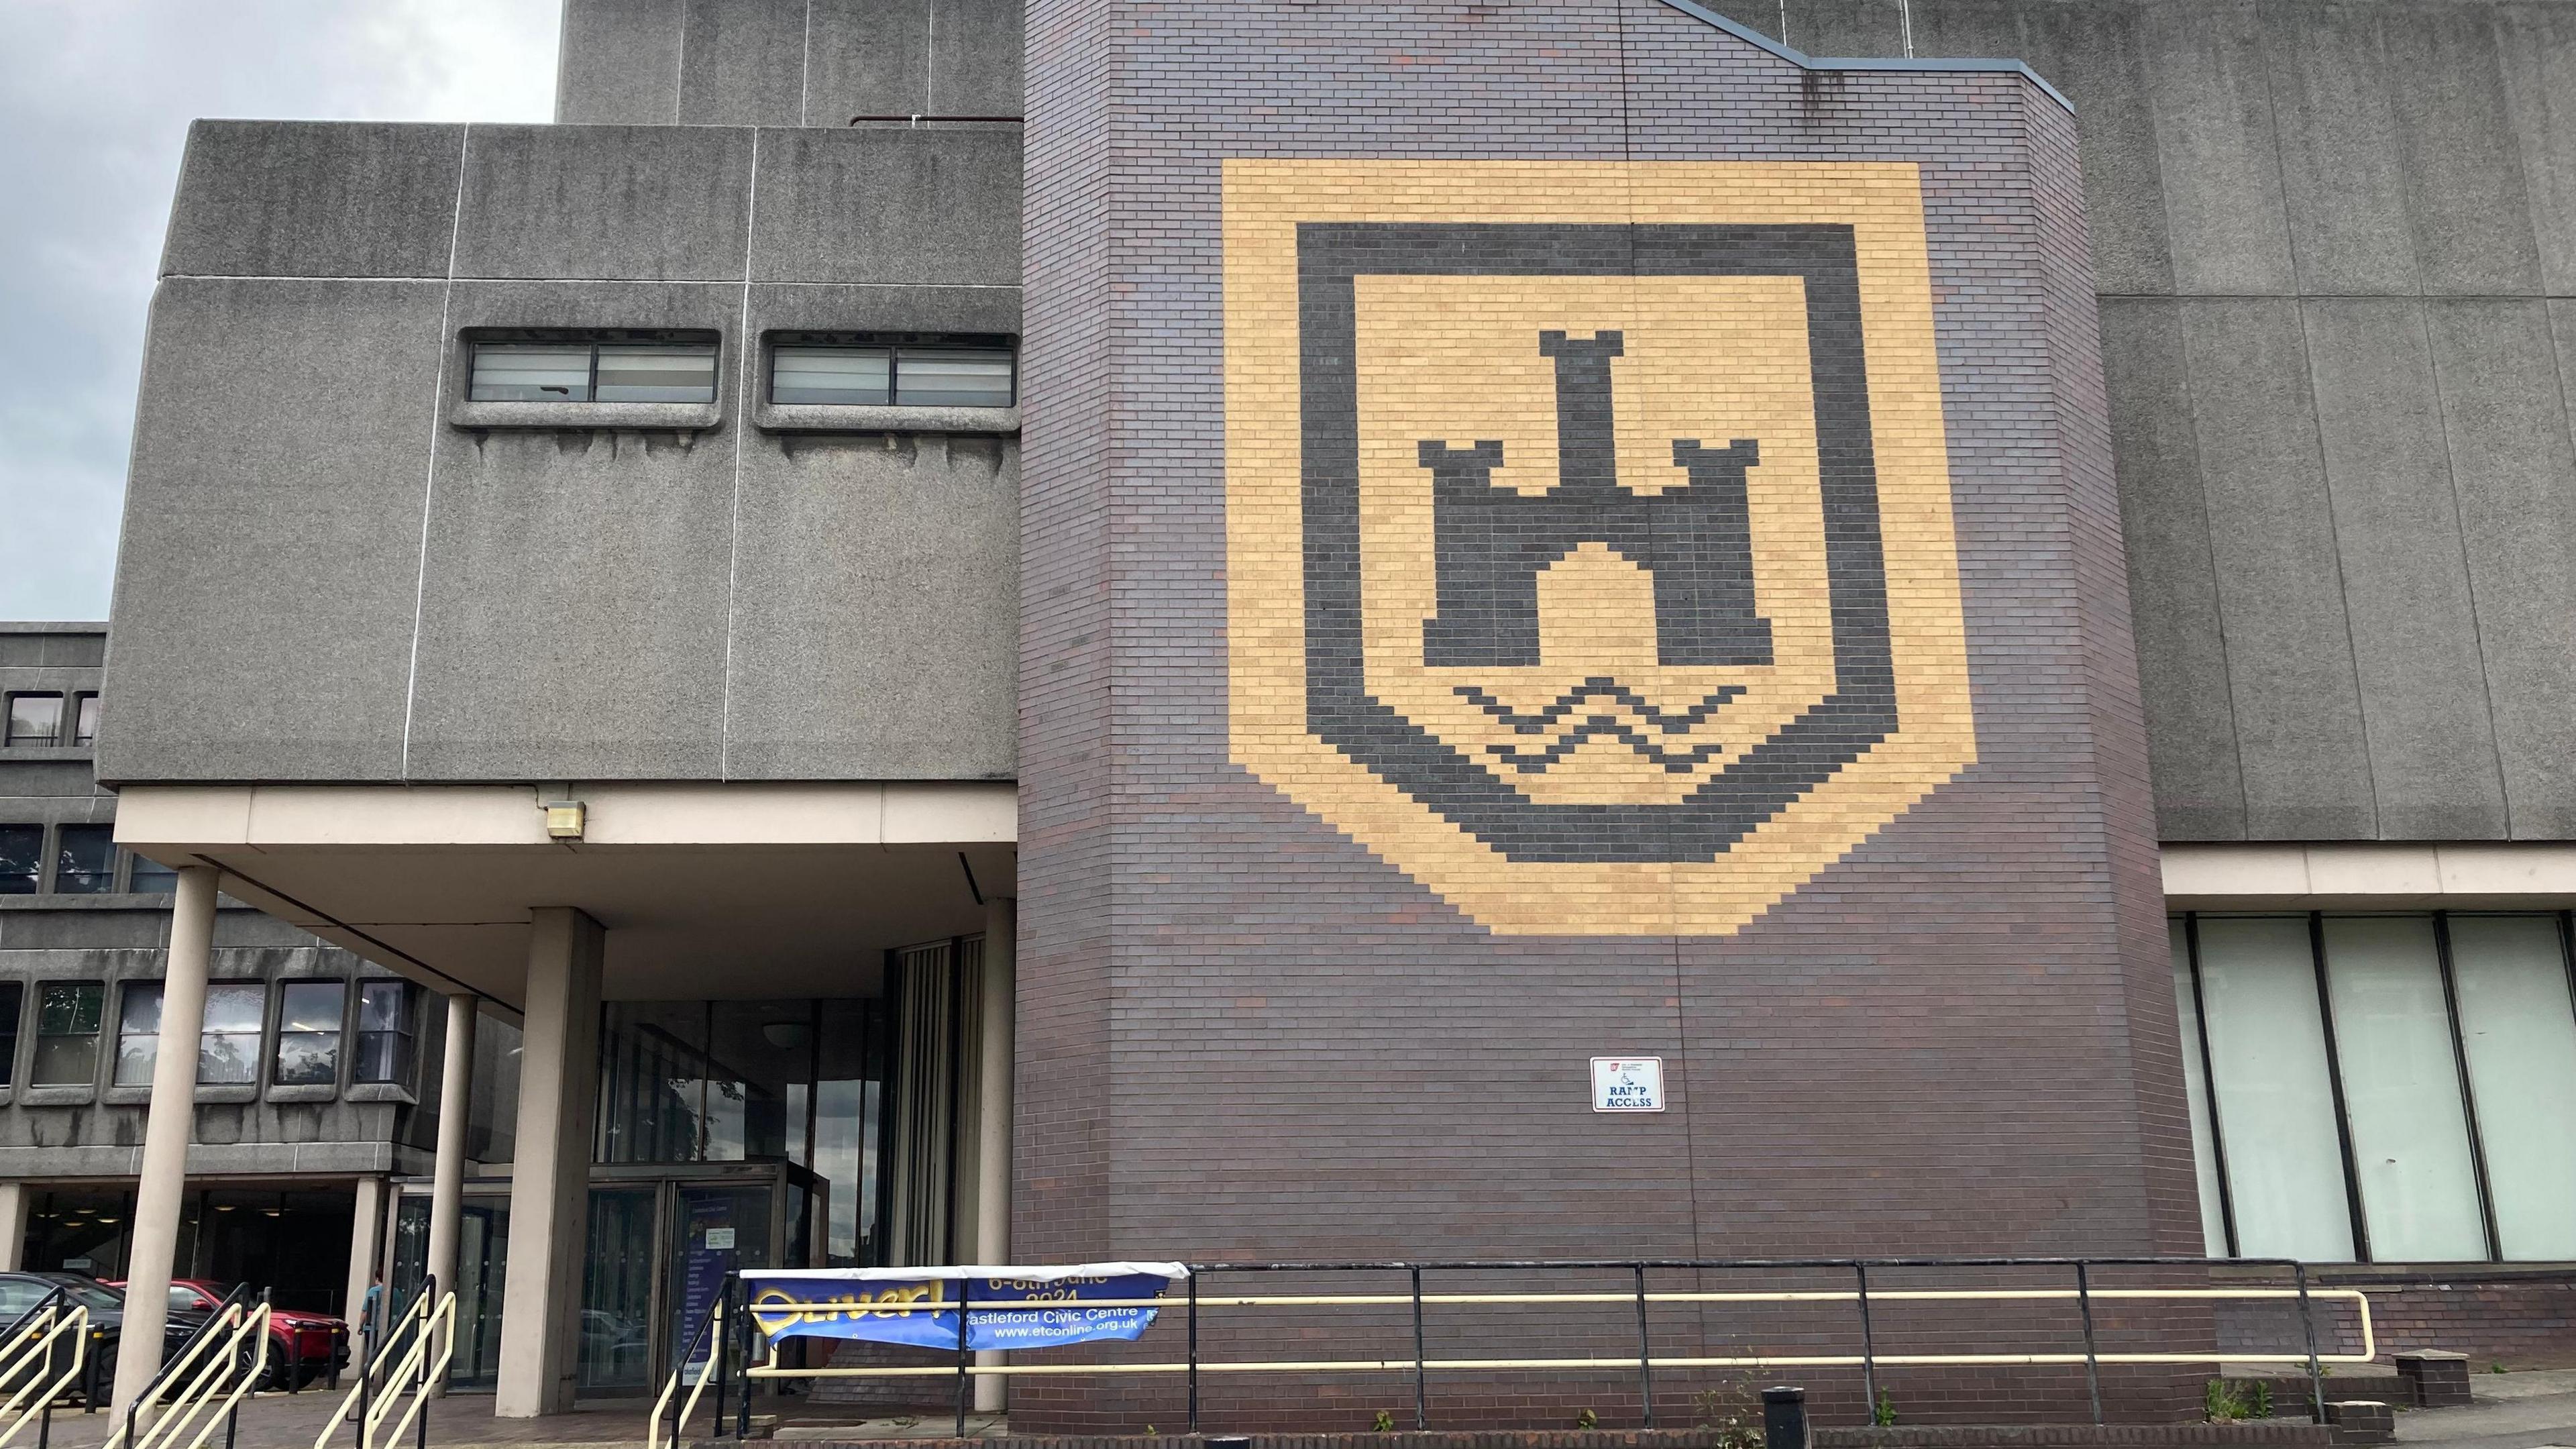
(2512, 1411)
(291, 1421)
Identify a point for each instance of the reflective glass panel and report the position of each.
(35, 719)
(85, 728)
(2520, 1032)
(138, 1033)
(147, 877)
(228, 1052)
(2195, 1081)
(67, 1026)
(308, 1034)
(84, 860)
(952, 377)
(22, 858)
(2268, 1056)
(2401, 1091)
(677, 372)
(13, 1000)
(838, 376)
(530, 372)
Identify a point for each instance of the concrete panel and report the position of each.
(867, 58)
(919, 538)
(313, 199)
(2537, 47)
(2406, 582)
(605, 203)
(2511, 459)
(889, 206)
(744, 63)
(2466, 199)
(573, 608)
(1847, 27)
(918, 535)
(2340, 170)
(2296, 697)
(2215, 147)
(620, 63)
(2173, 585)
(975, 52)
(264, 589)
(2098, 57)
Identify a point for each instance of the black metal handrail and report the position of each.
(680, 1365)
(59, 1294)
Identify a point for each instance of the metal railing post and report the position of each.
(1194, 1351)
(2308, 1322)
(2092, 1362)
(716, 1429)
(366, 1374)
(750, 1346)
(962, 1357)
(1868, 1347)
(1421, 1396)
(420, 1364)
(1645, 1367)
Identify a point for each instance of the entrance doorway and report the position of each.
(661, 1244)
(482, 1277)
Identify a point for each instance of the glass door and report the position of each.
(617, 1290)
(718, 1229)
(482, 1273)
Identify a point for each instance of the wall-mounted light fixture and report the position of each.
(564, 819)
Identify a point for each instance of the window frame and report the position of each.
(13, 1021)
(405, 1033)
(893, 411)
(592, 339)
(36, 878)
(9, 737)
(95, 1034)
(280, 1032)
(54, 871)
(83, 701)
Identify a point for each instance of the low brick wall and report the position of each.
(2271, 1435)
(2522, 1318)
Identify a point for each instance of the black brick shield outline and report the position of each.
(1827, 735)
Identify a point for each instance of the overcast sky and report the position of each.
(95, 101)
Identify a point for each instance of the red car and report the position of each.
(320, 1339)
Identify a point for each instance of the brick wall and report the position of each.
(1258, 1021)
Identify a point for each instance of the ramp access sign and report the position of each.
(1627, 1084)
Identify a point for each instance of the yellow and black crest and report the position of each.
(1589, 541)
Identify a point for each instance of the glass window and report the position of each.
(2195, 1084)
(22, 858)
(2401, 1091)
(85, 720)
(228, 1052)
(68, 1015)
(308, 1033)
(384, 1032)
(953, 377)
(13, 1000)
(151, 878)
(681, 372)
(138, 1033)
(2519, 1029)
(2268, 1057)
(531, 372)
(85, 860)
(842, 376)
(35, 719)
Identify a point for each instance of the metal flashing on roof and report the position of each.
(1804, 61)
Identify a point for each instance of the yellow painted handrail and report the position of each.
(706, 1371)
(209, 1381)
(32, 1354)
(407, 1385)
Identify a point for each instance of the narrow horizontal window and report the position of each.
(899, 370)
(844, 376)
(607, 367)
(35, 719)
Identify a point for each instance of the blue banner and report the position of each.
(1028, 1307)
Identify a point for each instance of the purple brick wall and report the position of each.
(1243, 1036)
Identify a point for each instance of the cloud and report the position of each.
(95, 101)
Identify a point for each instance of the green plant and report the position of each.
(2262, 1399)
(1883, 1413)
(2231, 1399)
(1731, 1414)
(1587, 1420)
(2495, 1368)
(1384, 1423)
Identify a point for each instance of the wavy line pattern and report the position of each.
(1672, 723)
(1601, 726)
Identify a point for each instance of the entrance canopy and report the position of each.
(735, 890)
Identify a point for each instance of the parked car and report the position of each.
(21, 1292)
(302, 1347)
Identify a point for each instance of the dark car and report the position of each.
(21, 1292)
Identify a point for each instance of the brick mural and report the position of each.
(1552, 532)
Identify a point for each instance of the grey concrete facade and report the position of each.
(348, 574)
(786, 62)
(2335, 250)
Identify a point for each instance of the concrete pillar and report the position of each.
(1000, 987)
(455, 1113)
(550, 1177)
(166, 1129)
(366, 1251)
(13, 1226)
